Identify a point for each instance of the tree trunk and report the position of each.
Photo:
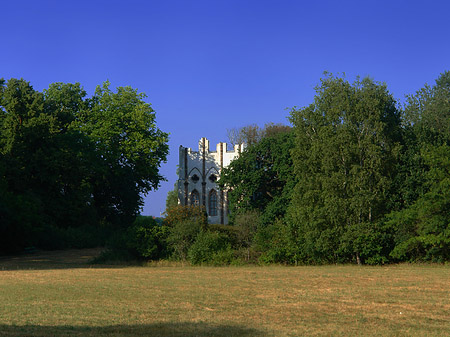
(358, 259)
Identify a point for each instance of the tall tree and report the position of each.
(250, 134)
(261, 178)
(422, 226)
(75, 160)
(344, 159)
(129, 149)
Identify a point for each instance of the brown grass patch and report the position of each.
(234, 301)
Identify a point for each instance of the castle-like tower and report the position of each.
(198, 173)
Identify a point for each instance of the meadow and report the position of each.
(62, 295)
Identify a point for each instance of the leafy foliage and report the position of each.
(261, 178)
(180, 213)
(422, 226)
(172, 198)
(148, 239)
(72, 160)
(208, 247)
(344, 158)
(182, 235)
(277, 243)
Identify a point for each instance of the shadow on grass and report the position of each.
(157, 329)
(57, 259)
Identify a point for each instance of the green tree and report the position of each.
(422, 229)
(172, 198)
(421, 226)
(344, 159)
(147, 239)
(26, 135)
(261, 178)
(128, 148)
(75, 160)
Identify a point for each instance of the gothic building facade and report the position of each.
(198, 173)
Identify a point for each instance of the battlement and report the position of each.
(238, 148)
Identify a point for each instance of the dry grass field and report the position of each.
(60, 295)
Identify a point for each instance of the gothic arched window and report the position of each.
(195, 198)
(212, 203)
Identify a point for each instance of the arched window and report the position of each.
(212, 203)
(195, 198)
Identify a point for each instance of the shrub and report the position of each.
(276, 244)
(230, 231)
(247, 224)
(147, 239)
(49, 237)
(207, 244)
(88, 236)
(226, 257)
(182, 236)
(19, 216)
(180, 213)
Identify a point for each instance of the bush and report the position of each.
(207, 244)
(19, 215)
(180, 213)
(88, 236)
(247, 224)
(276, 244)
(49, 237)
(182, 236)
(231, 232)
(226, 257)
(147, 239)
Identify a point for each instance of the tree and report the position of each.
(147, 239)
(250, 134)
(172, 198)
(77, 160)
(272, 129)
(428, 111)
(261, 178)
(421, 226)
(129, 149)
(422, 230)
(186, 213)
(344, 158)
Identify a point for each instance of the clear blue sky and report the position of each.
(208, 66)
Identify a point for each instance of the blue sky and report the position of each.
(208, 66)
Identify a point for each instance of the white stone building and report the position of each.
(198, 173)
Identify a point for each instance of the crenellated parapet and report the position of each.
(198, 173)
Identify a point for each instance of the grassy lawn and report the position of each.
(44, 296)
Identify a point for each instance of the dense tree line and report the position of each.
(72, 165)
(355, 178)
(358, 178)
